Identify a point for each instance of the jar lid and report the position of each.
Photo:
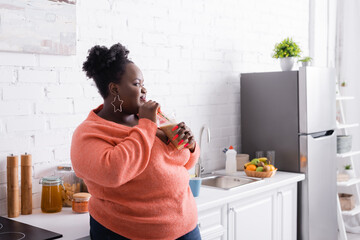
(82, 196)
(51, 181)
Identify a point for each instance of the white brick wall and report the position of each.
(191, 54)
(7, 75)
(36, 76)
(21, 92)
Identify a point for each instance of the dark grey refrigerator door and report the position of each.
(269, 116)
(317, 193)
(317, 101)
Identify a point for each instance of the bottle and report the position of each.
(230, 161)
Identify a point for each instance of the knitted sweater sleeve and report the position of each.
(95, 158)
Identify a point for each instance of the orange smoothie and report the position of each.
(167, 128)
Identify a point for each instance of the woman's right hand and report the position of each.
(148, 110)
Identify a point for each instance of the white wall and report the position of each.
(191, 54)
(348, 64)
(348, 67)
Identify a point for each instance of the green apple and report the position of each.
(259, 169)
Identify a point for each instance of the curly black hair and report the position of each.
(106, 65)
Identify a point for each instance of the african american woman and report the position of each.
(138, 181)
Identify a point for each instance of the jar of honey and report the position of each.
(51, 200)
(80, 202)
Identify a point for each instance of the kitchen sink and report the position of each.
(227, 182)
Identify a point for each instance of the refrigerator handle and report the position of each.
(322, 135)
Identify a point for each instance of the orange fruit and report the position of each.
(272, 168)
(251, 167)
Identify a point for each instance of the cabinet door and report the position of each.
(287, 212)
(253, 218)
(213, 223)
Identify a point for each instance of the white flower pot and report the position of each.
(305, 64)
(287, 63)
(350, 172)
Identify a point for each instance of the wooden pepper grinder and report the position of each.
(13, 186)
(26, 184)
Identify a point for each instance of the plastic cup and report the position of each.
(195, 184)
(168, 125)
(271, 157)
(168, 130)
(259, 154)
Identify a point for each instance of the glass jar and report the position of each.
(51, 201)
(72, 184)
(80, 202)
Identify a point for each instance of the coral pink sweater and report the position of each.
(139, 185)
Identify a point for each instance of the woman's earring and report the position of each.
(117, 103)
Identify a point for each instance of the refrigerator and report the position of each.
(294, 113)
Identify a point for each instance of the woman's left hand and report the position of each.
(185, 134)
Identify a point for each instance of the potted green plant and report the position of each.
(349, 171)
(286, 51)
(305, 61)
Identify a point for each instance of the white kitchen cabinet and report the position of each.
(213, 223)
(287, 212)
(271, 215)
(253, 217)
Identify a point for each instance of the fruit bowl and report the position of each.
(260, 174)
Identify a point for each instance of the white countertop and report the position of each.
(71, 225)
(211, 197)
(74, 226)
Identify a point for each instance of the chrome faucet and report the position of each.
(199, 168)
